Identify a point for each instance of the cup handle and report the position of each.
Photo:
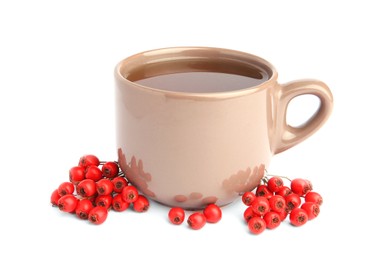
(288, 136)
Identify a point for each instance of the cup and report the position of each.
(199, 125)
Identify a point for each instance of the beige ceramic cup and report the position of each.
(189, 149)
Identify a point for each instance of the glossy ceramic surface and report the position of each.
(191, 149)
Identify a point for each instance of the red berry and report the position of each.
(284, 191)
(275, 183)
(119, 183)
(119, 204)
(311, 208)
(83, 208)
(283, 215)
(55, 197)
(141, 204)
(301, 186)
(293, 200)
(248, 197)
(66, 188)
(93, 172)
(67, 203)
(213, 213)
(196, 220)
(104, 201)
(104, 187)
(86, 188)
(88, 160)
(248, 213)
(110, 169)
(76, 174)
(277, 203)
(176, 215)
(256, 225)
(130, 194)
(263, 191)
(272, 219)
(260, 206)
(315, 197)
(97, 215)
(298, 217)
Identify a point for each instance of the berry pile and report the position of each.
(272, 201)
(196, 220)
(95, 187)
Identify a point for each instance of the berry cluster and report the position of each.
(196, 220)
(95, 187)
(272, 201)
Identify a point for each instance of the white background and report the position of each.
(56, 104)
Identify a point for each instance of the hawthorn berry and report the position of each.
(55, 197)
(67, 203)
(256, 225)
(93, 172)
(301, 186)
(104, 201)
(86, 188)
(293, 200)
(97, 215)
(88, 159)
(311, 208)
(66, 188)
(272, 219)
(248, 213)
(119, 204)
(110, 169)
(298, 217)
(260, 206)
(130, 194)
(277, 203)
(83, 208)
(284, 191)
(248, 197)
(213, 213)
(196, 220)
(263, 191)
(76, 174)
(313, 196)
(275, 183)
(119, 183)
(104, 187)
(176, 215)
(141, 204)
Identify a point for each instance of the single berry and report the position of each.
(119, 183)
(293, 200)
(97, 215)
(315, 197)
(110, 169)
(104, 201)
(86, 188)
(275, 183)
(119, 204)
(248, 213)
(248, 197)
(213, 213)
(55, 197)
(284, 191)
(301, 186)
(141, 204)
(88, 160)
(176, 215)
(66, 188)
(67, 203)
(277, 203)
(83, 208)
(272, 219)
(196, 220)
(76, 174)
(263, 191)
(298, 217)
(260, 206)
(130, 194)
(311, 208)
(256, 225)
(93, 172)
(104, 187)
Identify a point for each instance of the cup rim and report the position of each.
(164, 54)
